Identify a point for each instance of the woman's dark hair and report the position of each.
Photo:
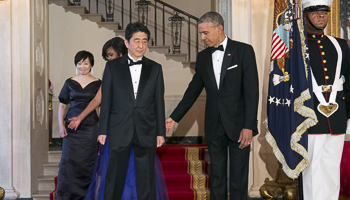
(134, 28)
(82, 55)
(117, 44)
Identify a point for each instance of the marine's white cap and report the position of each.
(309, 3)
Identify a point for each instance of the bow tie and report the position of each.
(220, 48)
(134, 63)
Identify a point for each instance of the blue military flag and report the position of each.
(290, 106)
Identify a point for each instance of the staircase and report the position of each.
(46, 183)
(116, 27)
(171, 167)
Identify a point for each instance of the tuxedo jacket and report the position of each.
(122, 114)
(236, 100)
(323, 62)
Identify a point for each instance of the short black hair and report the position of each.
(117, 44)
(134, 28)
(82, 55)
(212, 17)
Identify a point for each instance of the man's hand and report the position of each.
(245, 138)
(63, 131)
(169, 124)
(160, 141)
(74, 122)
(102, 139)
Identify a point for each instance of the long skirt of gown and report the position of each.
(79, 150)
(97, 186)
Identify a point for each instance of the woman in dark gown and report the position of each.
(79, 148)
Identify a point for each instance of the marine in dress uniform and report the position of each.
(330, 63)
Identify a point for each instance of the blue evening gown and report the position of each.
(97, 185)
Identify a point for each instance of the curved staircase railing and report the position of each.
(143, 8)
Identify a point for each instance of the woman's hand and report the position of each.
(74, 122)
(63, 131)
(102, 139)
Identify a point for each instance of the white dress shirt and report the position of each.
(135, 71)
(217, 58)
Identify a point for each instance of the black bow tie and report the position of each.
(220, 48)
(134, 63)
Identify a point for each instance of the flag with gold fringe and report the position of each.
(290, 106)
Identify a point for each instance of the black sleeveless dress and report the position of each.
(79, 148)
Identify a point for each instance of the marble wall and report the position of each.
(24, 141)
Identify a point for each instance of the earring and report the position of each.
(91, 71)
(76, 71)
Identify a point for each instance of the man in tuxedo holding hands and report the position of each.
(132, 107)
(227, 70)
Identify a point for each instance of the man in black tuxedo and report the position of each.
(132, 107)
(228, 72)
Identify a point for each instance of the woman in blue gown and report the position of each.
(112, 49)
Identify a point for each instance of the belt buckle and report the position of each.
(326, 88)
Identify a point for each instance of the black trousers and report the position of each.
(118, 165)
(239, 167)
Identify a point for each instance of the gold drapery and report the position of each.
(333, 27)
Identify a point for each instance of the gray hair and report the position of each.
(212, 17)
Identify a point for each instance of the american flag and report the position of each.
(290, 107)
(279, 48)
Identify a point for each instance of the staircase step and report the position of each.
(183, 195)
(60, 2)
(181, 166)
(76, 9)
(92, 17)
(46, 183)
(176, 57)
(109, 25)
(51, 169)
(42, 195)
(191, 65)
(172, 154)
(120, 33)
(159, 49)
(54, 156)
(178, 182)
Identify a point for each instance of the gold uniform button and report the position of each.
(325, 69)
(319, 41)
(314, 36)
(327, 77)
(323, 53)
(324, 61)
(321, 47)
(343, 97)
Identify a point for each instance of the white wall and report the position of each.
(69, 34)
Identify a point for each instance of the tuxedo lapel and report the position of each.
(209, 61)
(229, 53)
(126, 76)
(145, 73)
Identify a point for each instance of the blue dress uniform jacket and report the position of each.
(323, 60)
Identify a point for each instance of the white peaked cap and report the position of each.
(308, 3)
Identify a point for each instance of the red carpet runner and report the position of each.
(185, 172)
(345, 173)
